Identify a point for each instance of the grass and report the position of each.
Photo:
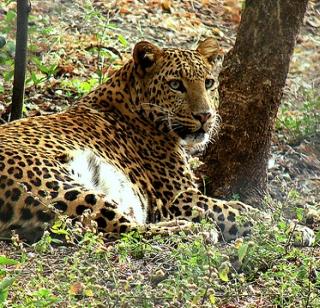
(61, 58)
(183, 270)
(302, 122)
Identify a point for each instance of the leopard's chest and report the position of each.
(96, 173)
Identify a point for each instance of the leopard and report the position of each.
(118, 157)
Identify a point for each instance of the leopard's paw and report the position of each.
(237, 205)
(167, 227)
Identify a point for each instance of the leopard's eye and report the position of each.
(209, 83)
(176, 85)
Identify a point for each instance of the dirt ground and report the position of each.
(67, 33)
(294, 162)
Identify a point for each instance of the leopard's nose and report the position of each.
(202, 117)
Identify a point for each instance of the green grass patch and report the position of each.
(182, 270)
(303, 121)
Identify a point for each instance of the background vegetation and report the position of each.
(74, 46)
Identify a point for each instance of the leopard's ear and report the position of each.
(145, 56)
(209, 48)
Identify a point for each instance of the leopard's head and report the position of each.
(174, 90)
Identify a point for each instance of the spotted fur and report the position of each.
(119, 152)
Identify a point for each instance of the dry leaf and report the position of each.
(166, 5)
(76, 288)
(124, 11)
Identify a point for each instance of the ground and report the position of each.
(75, 45)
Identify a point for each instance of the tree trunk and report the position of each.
(23, 9)
(251, 85)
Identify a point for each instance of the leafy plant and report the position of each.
(132, 244)
(42, 298)
(8, 280)
(303, 121)
(81, 86)
(48, 70)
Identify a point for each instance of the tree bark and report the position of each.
(251, 85)
(23, 9)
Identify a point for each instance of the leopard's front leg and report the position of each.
(228, 216)
(194, 206)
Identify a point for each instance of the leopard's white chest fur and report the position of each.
(94, 173)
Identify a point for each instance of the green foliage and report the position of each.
(44, 244)
(9, 21)
(7, 261)
(7, 46)
(4, 288)
(49, 70)
(198, 269)
(41, 298)
(301, 122)
(133, 245)
(81, 86)
(122, 40)
(7, 281)
(44, 61)
(182, 270)
(287, 272)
